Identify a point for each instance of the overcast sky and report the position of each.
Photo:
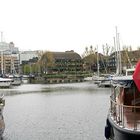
(61, 25)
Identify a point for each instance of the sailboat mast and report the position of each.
(115, 54)
(2, 70)
(1, 36)
(97, 61)
(118, 53)
(120, 64)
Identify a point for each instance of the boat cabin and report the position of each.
(129, 71)
(129, 95)
(125, 104)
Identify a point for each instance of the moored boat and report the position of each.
(106, 82)
(16, 80)
(97, 79)
(88, 79)
(123, 120)
(5, 82)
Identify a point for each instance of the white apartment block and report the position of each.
(9, 58)
(27, 55)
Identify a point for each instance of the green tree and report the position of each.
(26, 69)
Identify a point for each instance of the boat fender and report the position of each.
(107, 130)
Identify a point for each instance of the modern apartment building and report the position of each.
(28, 55)
(9, 58)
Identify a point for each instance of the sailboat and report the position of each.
(103, 80)
(97, 78)
(4, 81)
(123, 119)
(16, 78)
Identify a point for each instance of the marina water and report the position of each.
(75, 111)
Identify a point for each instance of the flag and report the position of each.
(136, 75)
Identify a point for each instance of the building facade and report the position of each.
(62, 62)
(129, 59)
(9, 58)
(28, 55)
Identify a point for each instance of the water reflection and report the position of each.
(34, 88)
(55, 112)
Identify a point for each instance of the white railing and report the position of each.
(125, 116)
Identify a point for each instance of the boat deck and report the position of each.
(132, 118)
(127, 117)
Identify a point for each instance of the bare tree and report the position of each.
(47, 61)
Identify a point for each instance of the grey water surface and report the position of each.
(75, 111)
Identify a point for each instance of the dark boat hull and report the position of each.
(115, 132)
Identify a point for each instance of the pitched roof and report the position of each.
(69, 55)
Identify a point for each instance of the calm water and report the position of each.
(55, 112)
